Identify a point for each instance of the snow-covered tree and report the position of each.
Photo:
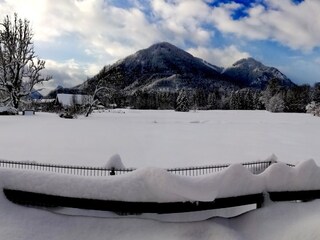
(273, 96)
(315, 94)
(313, 108)
(182, 103)
(19, 66)
(276, 104)
(92, 101)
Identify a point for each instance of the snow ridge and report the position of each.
(158, 185)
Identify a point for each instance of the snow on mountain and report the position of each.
(169, 66)
(165, 67)
(214, 67)
(249, 72)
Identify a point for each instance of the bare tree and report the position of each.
(19, 66)
(93, 100)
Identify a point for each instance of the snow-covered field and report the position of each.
(160, 138)
(163, 139)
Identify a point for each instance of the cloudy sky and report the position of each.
(78, 37)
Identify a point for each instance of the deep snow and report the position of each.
(158, 185)
(281, 221)
(284, 221)
(161, 138)
(166, 139)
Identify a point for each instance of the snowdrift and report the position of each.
(157, 185)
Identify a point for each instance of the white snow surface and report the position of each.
(161, 138)
(158, 185)
(115, 162)
(285, 221)
(142, 185)
(164, 139)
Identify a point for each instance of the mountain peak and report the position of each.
(162, 66)
(249, 62)
(162, 45)
(163, 50)
(252, 73)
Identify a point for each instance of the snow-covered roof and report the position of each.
(68, 99)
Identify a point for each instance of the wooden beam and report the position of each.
(123, 207)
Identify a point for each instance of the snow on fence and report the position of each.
(254, 167)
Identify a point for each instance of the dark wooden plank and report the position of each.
(306, 195)
(122, 207)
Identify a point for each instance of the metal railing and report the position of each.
(254, 167)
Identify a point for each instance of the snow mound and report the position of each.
(237, 180)
(8, 111)
(158, 185)
(115, 162)
(281, 177)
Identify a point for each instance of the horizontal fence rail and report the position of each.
(254, 167)
(128, 208)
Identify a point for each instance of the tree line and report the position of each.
(275, 98)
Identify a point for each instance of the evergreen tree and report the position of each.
(212, 101)
(297, 98)
(276, 104)
(315, 96)
(273, 91)
(182, 102)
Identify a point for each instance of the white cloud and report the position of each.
(223, 57)
(105, 33)
(113, 31)
(101, 27)
(283, 21)
(68, 73)
(183, 20)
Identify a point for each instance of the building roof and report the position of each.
(68, 99)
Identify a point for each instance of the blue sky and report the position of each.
(78, 37)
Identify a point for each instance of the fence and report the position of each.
(254, 167)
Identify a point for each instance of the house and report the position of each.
(69, 99)
(44, 104)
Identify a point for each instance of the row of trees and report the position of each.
(275, 98)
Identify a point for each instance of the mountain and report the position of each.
(164, 67)
(35, 94)
(53, 94)
(161, 67)
(249, 72)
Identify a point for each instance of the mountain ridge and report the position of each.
(165, 67)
